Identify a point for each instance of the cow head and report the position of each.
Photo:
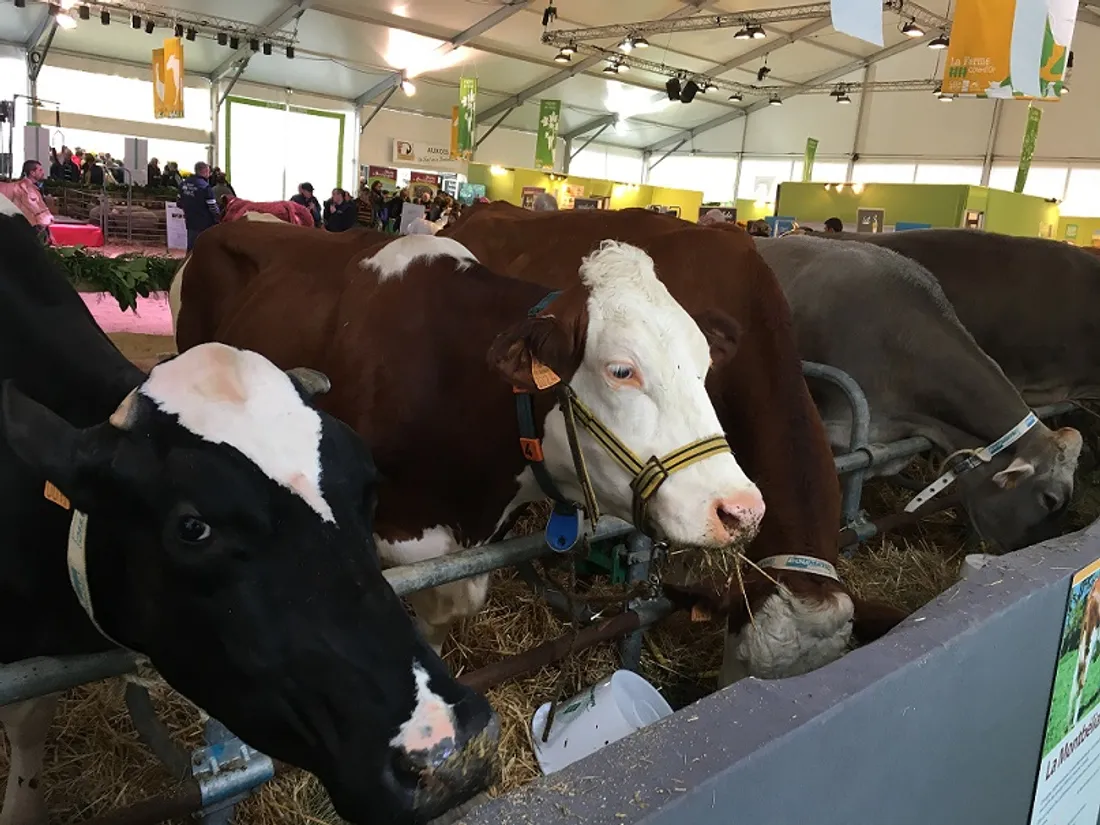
(225, 533)
(1020, 497)
(638, 361)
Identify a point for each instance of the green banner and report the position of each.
(467, 116)
(1034, 115)
(808, 161)
(547, 141)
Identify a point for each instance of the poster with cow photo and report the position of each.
(1067, 791)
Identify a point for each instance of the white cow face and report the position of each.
(636, 358)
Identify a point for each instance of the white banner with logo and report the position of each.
(409, 152)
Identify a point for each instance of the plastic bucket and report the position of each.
(605, 713)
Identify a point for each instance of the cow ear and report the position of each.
(1069, 444)
(71, 459)
(532, 353)
(723, 334)
(1018, 471)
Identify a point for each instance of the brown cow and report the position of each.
(417, 336)
(1086, 649)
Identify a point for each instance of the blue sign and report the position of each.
(778, 225)
(901, 226)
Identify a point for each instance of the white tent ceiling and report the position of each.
(347, 47)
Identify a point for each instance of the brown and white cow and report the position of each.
(1086, 650)
(423, 345)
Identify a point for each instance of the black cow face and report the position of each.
(223, 528)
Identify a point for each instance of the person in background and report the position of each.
(545, 202)
(26, 194)
(364, 211)
(378, 199)
(394, 206)
(92, 172)
(306, 199)
(833, 226)
(172, 176)
(200, 209)
(340, 211)
(62, 167)
(153, 174)
(223, 191)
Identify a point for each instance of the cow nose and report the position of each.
(738, 516)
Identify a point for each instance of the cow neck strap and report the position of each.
(972, 459)
(800, 564)
(78, 569)
(646, 476)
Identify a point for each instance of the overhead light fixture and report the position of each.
(290, 52)
(179, 29)
(568, 48)
(149, 26)
(20, 4)
(626, 45)
(640, 43)
(191, 34)
(135, 21)
(743, 34)
(1064, 90)
(911, 29)
(691, 88)
(254, 44)
(672, 88)
(944, 98)
(857, 188)
(105, 17)
(709, 86)
(775, 100)
(563, 57)
(757, 33)
(610, 68)
(66, 21)
(843, 98)
(223, 38)
(408, 87)
(762, 72)
(85, 12)
(940, 41)
(267, 48)
(737, 97)
(234, 42)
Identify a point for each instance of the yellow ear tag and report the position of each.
(700, 614)
(56, 496)
(543, 375)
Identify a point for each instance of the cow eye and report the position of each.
(620, 372)
(192, 530)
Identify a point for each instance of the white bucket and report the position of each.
(605, 713)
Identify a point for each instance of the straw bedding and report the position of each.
(94, 761)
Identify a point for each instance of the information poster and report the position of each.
(779, 225)
(1067, 791)
(421, 182)
(569, 193)
(386, 174)
(870, 220)
(527, 196)
(176, 225)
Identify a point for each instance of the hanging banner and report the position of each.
(1009, 48)
(1031, 133)
(409, 153)
(546, 143)
(467, 116)
(421, 183)
(808, 160)
(168, 79)
(858, 18)
(454, 133)
(386, 174)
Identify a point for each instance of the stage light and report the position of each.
(191, 34)
(149, 26)
(691, 88)
(135, 21)
(85, 12)
(105, 17)
(290, 52)
(179, 30)
(254, 44)
(234, 42)
(223, 38)
(672, 87)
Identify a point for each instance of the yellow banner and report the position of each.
(168, 79)
(1009, 48)
(454, 132)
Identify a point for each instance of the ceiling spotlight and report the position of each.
(762, 72)
(626, 45)
(941, 96)
(843, 98)
(234, 42)
(179, 30)
(105, 17)
(911, 29)
(691, 88)
(737, 97)
(408, 87)
(743, 34)
(940, 41)
(621, 67)
(569, 48)
(66, 21)
(1064, 90)
(85, 12)
(149, 26)
(672, 88)
(267, 48)
(775, 100)
(191, 34)
(757, 33)
(20, 4)
(223, 38)
(290, 52)
(708, 86)
(135, 21)
(254, 44)
(640, 43)
(563, 57)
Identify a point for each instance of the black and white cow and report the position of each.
(220, 526)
